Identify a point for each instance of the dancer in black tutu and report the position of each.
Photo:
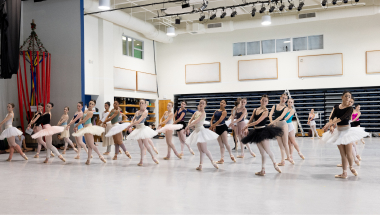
(261, 134)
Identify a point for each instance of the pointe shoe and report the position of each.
(46, 160)
(166, 158)
(24, 156)
(179, 156)
(51, 154)
(359, 158)
(88, 162)
(277, 168)
(199, 168)
(339, 165)
(357, 162)
(114, 157)
(155, 160)
(140, 164)
(36, 156)
(102, 159)
(312, 138)
(261, 173)
(77, 157)
(354, 171)
(281, 164)
(253, 154)
(128, 155)
(221, 161)
(8, 159)
(291, 161)
(106, 153)
(64, 152)
(233, 159)
(344, 175)
(240, 156)
(120, 152)
(215, 165)
(192, 152)
(301, 155)
(363, 141)
(62, 158)
(155, 150)
(76, 150)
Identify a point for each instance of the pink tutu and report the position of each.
(170, 127)
(48, 130)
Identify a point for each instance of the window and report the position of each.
(133, 47)
(239, 49)
(268, 46)
(299, 43)
(283, 45)
(315, 42)
(253, 48)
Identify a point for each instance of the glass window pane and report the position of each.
(299, 43)
(124, 39)
(138, 54)
(253, 48)
(239, 49)
(315, 42)
(283, 45)
(130, 47)
(138, 44)
(268, 46)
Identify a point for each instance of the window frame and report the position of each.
(133, 47)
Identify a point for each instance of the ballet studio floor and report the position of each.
(175, 187)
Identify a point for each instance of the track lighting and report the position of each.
(291, 6)
(262, 9)
(271, 9)
(334, 2)
(177, 21)
(204, 5)
(104, 4)
(281, 8)
(356, 1)
(345, 1)
(185, 4)
(266, 20)
(233, 14)
(300, 6)
(223, 14)
(213, 16)
(324, 3)
(170, 31)
(253, 12)
(202, 17)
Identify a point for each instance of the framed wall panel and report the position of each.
(146, 82)
(320, 65)
(258, 69)
(202, 73)
(124, 79)
(372, 59)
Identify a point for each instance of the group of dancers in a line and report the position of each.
(280, 127)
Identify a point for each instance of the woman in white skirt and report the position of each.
(167, 120)
(66, 133)
(75, 120)
(48, 132)
(107, 141)
(200, 135)
(313, 125)
(292, 135)
(343, 136)
(10, 133)
(88, 131)
(116, 129)
(142, 133)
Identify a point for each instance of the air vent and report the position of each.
(306, 15)
(214, 25)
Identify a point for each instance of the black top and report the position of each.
(238, 115)
(343, 114)
(38, 121)
(257, 117)
(217, 116)
(278, 113)
(45, 119)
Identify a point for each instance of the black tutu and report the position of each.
(355, 123)
(260, 134)
(182, 123)
(221, 129)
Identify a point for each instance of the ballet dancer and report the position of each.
(312, 124)
(218, 125)
(167, 120)
(355, 118)
(241, 112)
(200, 135)
(292, 136)
(107, 141)
(261, 134)
(179, 116)
(142, 133)
(36, 125)
(48, 132)
(88, 131)
(65, 133)
(276, 118)
(79, 140)
(11, 133)
(344, 136)
(233, 115)
(116, 129)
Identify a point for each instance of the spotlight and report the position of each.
(213, 16)
(291, 6)
(281, 8)
(262, 9)
(170, 31)
(334, 2)
(204, 5)
(356, 1)
(271, 9)
(223, 15)
(300, 6)
(324, 3)
(104, 4)
(202, 17)
(178, 21)
(185, 4)
(253, 12)
(345, 1)
(233, 14)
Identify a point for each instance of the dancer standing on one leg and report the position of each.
(48, 132)
(218, 125)
(78, 139)
(88, 131)
(179, 116)
(142, 133)
(65, 133)
(107, 141)
(292, 136)
(233, 126)
(200, 135)
(344, 136)
(167, 120)
(313, 125)
(10, 133)
(241, 112)
(261, 134)
(116, 130)
(276, 117)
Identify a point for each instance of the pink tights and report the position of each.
(12, 146)
(264, 146)
(91, 146)
(68, 141)
(202, 147)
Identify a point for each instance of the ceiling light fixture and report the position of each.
(324, 3)
(204, 5)
(170, 31)
(291, 5)
(271, 9)
(262, 8)
(104, 4)
(185, 4)
(334, 2)
(213, 16)
(202, 17)
(281, 8)
(233, 14)
(266, 20)
(177, 21)
(300, 5)
(223, 14)
(253, 11)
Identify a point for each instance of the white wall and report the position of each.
(350, 36)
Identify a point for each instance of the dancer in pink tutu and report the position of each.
(66, 133)
(167, 120)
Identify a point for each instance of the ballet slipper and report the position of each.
(51, 154)
(359, 158)
(301, 155)
(36, 156)
(253, 154)
(128, 155)
(8, 159)
(343, 176)
(281, 163)
(76, 150)
(277, 168)
(240, 156)
(62, 158)
(77, 157)
(233, 158)
(215, 165)
(88, 162)
(64, 152)
(155, 160)
(179, 156)
(102, 159)
(291, 161)
(339, 165)
(114, 157)
(155, 150)
(140, 164)
(353, 171)
(120, 151)
(106, 153)
(221, 161)
(312, 138)
(46, 160)
(166, 158)
(91, 156)
(24, 156)
(261, 173)
(357, 162)
(199, 168)
(192, 152)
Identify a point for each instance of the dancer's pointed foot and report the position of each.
(36, 156)
(214, 164)
(166, 158)
(120, 151)
(106, 153)
(354, 171)
(240, 156)
(62, 158)
(339, 165)
(155, 150)
(76, 150)
(363, 141)
(261, 173)
(233, 158)
(77, 157)
(357, 162)
(344, 175)
(128, 155)
(253, 154)
(102, 159)
(277, 168)
(282, 163)
(358, 156)
(8, 159)
(140, 164)
(155, 160)
(88, 162)
(51, 154)
(64, 152)
(199, 168)
(301, 155)
(114, 157)
(46, 160)
(179, 156)
(221, 161)
(192, 152)
(291, 161)
(24, 156)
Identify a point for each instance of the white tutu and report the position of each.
(228, 122)
(117, 128)
(10, 131)
(290, 127)
(48, 130)
(170, 127)
(312, 123)
(206, 123)
(201, 135)
(107, 141)
(141, 132)
(92, 129)
(65, 133)
(344, 135)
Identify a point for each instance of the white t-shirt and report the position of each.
(104, 116)
(19, 140)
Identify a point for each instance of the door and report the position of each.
(162, 107)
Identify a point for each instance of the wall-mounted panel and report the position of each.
(202, 73)
(320, 65)
(372, 61)
(146, 82)
(124, 79)
(257, 69)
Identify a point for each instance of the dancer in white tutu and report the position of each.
(116, 129)
(88, 131)
(10, 133)
(200, 135)
(107, 141)
(48, 132)
(219, 126)
(66, 133)
(167, 120)
(261, 134)
(233, 127)
(241, 113)
(142, 133)
(179, 116)
(355, 118)
(343, 136)
(313, 125)
(78, 139)
(276, 118)
(292, 135)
